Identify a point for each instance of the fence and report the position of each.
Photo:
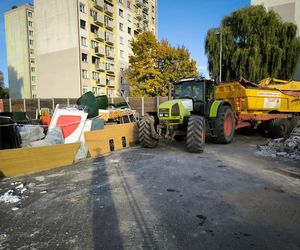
(141, 104)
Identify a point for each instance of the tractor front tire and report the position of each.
(147, 138)
(195, 139)
(224, 125)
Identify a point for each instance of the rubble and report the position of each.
(14, 195)
(283, 147)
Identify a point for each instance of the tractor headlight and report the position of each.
(161, 115)
(175, 110)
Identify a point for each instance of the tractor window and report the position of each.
(189, 90)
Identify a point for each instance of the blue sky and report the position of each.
(179, 22)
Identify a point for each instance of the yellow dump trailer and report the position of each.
(272, 100)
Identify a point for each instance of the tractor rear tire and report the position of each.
(146, 130)
(195, 139)
(279, 128)
(224, 125)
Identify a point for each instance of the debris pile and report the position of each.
(283, 147)
(14, 195)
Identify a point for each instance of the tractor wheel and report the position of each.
(147, 137)
(224, 125)
(195, 138)
(279, 128)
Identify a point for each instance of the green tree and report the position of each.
(3, 90)
(154, 65)
(256, 44)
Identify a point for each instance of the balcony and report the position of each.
(109, 38)
(110, 81)
(101, 82)
(99, 51)
(138, 27)
(99, 4)
(108, 9)
(139, 3)
(99, 36)
(110, 69)
(110, 54)
(100, 66)
(109, 25)
(139, 15)
(145, 7)
(99, 20)
(145, 17)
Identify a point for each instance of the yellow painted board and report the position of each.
(29, 160)
(98, 141)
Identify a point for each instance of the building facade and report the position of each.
(20, 47)
(288, 10)
(84, 45)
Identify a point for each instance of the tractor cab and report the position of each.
(197, 90)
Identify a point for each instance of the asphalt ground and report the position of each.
(228, 197)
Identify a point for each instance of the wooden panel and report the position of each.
(98, 140)
(28, 160)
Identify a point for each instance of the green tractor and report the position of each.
(192, 114)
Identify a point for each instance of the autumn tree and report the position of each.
(256, 44)
(3, 90)
(154, 65)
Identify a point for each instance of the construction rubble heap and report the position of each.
(283, 147)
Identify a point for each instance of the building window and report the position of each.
(96, 75)
(153, 9)
(82, 24)
(84, 57)
(29, 14)
(94, 44)
(121, 26)
(85, 74)
(129, 18)
(30, 23)
(121, 40)
(30, 42)
(128, 5)
(121, 1)
(85, 89)
(122, 54)
(93, 13)
(83, 41)
(34, 96)
(129, 44)
(33, 78)
(82, 8)
(129, 30)
(31, 32)
(32, 60)
(31, 51)
(122, 80)
(33, 69)
(121, 13)
(96, 91)
(153, 20)
(33, 87)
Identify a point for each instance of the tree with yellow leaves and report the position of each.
(154, 65)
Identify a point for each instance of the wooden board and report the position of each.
(28, 160)
(98, 141)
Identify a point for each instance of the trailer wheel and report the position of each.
(295, 122)
(147, 134)
(279, 128)
(195, 138)
(224, 125)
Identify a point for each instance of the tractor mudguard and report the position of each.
(213, 112)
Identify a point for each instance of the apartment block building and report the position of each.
(20, 47)
(84, 45)
(288, 10)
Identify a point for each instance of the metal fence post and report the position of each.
(143, 106)
(10, 106)
(24, 104)
(39, 104)
(157, 102)
(68, 102)
(53, 103)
